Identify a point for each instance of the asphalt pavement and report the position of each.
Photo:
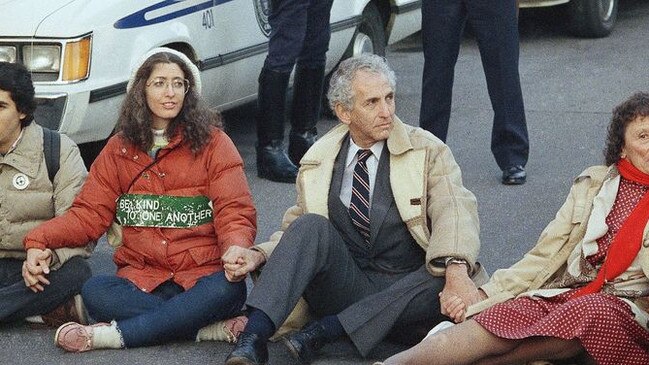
(570, 86)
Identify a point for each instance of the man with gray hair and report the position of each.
(384, 236)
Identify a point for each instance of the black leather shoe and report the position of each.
(304, 344)
(249, 350)
(273, 163)
(514, 175)
(298, 144)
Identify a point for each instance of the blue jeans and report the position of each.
(166, 314)
(17, 301)
(299, 32)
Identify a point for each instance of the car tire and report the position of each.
(369, 37)
(592, 18)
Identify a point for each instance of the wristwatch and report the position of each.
(454, 260)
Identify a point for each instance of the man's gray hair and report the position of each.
(340, 86)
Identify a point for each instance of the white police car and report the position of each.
(80, 52)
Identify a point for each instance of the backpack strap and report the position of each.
(52, 151)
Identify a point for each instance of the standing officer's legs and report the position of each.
(309, 80)
(496, 27)
(288, 21)
(442, 26)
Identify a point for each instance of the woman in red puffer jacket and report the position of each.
(174, 181)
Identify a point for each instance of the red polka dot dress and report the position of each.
(603, 323)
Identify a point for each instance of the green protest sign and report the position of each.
(164, 211)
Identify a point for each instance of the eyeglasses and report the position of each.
(161, 84)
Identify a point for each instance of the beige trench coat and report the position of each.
(547, 260)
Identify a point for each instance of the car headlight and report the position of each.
(76, 63)
(8, 54)
(71, 59)
(42, 58)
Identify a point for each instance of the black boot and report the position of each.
(305, 343)
(298, 144)
(249, 350)
(305, 111)
(272, 162)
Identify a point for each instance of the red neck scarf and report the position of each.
(627, 242)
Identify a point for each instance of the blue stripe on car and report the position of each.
(137, 19)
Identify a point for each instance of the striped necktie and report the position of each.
(359, 207)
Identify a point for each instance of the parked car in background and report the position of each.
(586, 18)
(81, 52)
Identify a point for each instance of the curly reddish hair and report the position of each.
(636, 106)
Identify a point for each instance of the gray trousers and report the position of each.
(17, 301)
(312, 260)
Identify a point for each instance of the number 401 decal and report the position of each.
(208, 19)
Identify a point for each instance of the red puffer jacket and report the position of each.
(150, 256)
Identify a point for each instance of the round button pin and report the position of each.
(20, 181)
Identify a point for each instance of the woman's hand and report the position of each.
(239, 261)
(35, 267)
(458, 294)
(453, 307)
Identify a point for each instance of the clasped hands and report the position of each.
(459, 293)
(35, 268)
(239, 261)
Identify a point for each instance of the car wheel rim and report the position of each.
(363, 44)
(606, 9)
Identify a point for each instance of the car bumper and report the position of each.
(540, 3)
(49, 112)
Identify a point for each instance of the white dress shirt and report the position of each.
(350, 164)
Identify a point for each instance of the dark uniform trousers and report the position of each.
(300, 32)
(495, 24)
(374, 289)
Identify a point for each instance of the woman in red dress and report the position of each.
(583, 291)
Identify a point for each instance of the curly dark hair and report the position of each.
(631, 109)
(195, 120)
(17, 81)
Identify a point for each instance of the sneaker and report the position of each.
(35, 320)
(227, 330)
(71, 311)
(75, 337)
(233, 327)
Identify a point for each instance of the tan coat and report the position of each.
(548, 258)
(427, 186)
(23, 209)
(426, 182)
